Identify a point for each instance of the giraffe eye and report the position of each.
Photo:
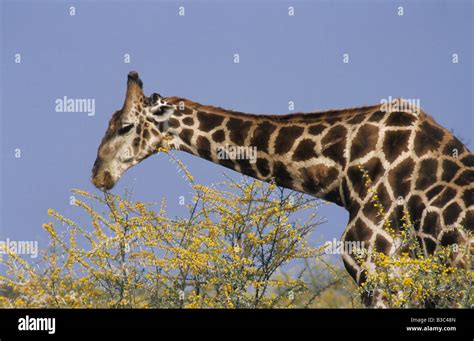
(126, 127)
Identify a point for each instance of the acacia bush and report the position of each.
(238, 248)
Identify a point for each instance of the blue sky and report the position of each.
(282, 59)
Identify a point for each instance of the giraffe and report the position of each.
(414, 164)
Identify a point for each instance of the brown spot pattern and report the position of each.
(286, 138)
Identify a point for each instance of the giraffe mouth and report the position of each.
(103, 180)
(108, 182)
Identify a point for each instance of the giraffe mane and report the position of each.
(280, 118)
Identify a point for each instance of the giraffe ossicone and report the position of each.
(414, 164)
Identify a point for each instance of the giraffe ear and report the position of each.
(162, 112)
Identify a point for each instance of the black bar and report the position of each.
(367, 322)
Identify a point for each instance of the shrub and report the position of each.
(231, 251)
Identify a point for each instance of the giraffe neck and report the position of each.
(414, 165)
(303, 152)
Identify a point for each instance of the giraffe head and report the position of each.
(134, 133)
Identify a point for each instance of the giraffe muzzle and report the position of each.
(102, 179)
